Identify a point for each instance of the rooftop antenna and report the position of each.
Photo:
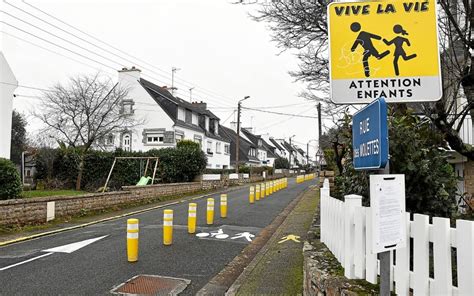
(191, 94)
(173, 70)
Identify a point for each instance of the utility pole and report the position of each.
(237, 144)
(291, 150)
(173, 70)
(320, 130)
(307, 153)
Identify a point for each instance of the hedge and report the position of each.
(10, 182)
(58, 167)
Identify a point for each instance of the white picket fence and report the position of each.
(346, 231)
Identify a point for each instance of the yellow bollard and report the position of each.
(167, 227)
(132, 240)
(262, 190)
(223, 205)
(257, 192)
(267, 187)
(251, 195)
(210, 211)
(192, 218)
(271, 187)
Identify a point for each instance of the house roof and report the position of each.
(287, 146)
(244, 145)
(255, 138)
(275, 143)
(301, 151)
(169, 103)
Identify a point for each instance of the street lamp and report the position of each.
(239, 105)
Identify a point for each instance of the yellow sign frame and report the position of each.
(384, 49)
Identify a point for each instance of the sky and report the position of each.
(219, 50)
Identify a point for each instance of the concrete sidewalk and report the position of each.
(278, 267)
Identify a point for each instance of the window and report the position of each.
(127, 107)
(126, 142)
(181, 114)
(195, 119)
(216, 128)
(179, 137)
(259, 143)
(209, 147)
(109, 140)
(227, 149)
(218, 147)
(198, 139)
(218, 166)
(188, 116)
(253, 152)
(154, 138)
(206, 123)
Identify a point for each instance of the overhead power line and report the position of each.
(199, 89)
(280, 113)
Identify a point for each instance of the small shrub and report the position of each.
(10, 182)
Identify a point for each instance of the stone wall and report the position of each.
(33, 210)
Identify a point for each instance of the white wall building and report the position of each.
(166, 120)
(7, 87)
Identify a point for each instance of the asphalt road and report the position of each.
(98, 267)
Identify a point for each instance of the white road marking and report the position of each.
(23, 262)
(69, 248)
(74, 246)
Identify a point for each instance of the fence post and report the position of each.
(350, 202)
(324, 196)
(326, 183)
(465, 256)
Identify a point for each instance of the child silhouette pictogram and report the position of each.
(399, 51)
(364, 39)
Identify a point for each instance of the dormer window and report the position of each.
(206, 123)
(181, 114)
(216, 127)
(195, 119)
(260, 143)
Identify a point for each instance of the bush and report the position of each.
(181, 164)
(430, 182)
(282, 163)
(10, 182)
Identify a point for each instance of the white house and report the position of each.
(265, 152)
(8, 84)
(166, 120)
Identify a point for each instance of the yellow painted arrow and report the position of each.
(290, 237)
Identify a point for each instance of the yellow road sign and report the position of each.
(384, 49)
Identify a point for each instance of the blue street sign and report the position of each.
(370, 136)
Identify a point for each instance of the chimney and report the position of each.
(200, 105)
(233, 126)
(129, 77)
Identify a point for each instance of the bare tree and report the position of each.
(301, 26)
(79, 114)
(456, 23)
